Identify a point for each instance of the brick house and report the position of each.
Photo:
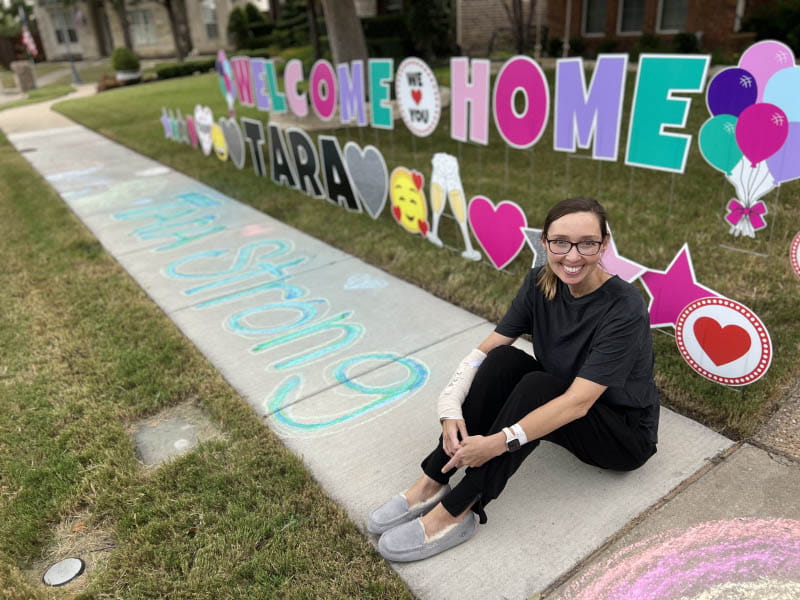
(610, 25)
(91, 29)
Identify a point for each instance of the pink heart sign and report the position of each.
(498, 229)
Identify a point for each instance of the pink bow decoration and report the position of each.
(746, 220)
(736, 211)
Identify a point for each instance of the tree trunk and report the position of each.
(177, 23)
(274, 9)
(312, 28)
(345, 35)
(122, 16)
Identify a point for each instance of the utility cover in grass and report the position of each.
(63, 571)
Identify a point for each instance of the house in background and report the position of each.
(91, 29)
(609, 25)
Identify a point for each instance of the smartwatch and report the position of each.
(512, 442)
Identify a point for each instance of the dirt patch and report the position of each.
(172, 432)
(76, 537)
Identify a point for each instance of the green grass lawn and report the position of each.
(238, 517)
(40, 95)
(652, 214)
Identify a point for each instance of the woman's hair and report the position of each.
(547, 279)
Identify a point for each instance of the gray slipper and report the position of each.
(396, 511)
(407, 542)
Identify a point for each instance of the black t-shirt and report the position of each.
(603, 336)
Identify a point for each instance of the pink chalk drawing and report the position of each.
(255, 229)
(499, 229)
(732, 559)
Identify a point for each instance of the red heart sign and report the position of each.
(722, 344)
(416, 95)
(397, 213)
(423, 228)
(417, 177)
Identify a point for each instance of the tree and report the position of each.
(182, 37)
(274, 9)
(312, 28)
(9, 18)
(122, 16)
(520, 23)
(345, 35)
(777, 21)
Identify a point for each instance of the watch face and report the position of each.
(513, 445)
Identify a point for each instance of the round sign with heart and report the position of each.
(794, 254)
(723, 341)
(417, 96)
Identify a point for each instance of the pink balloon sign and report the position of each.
(498, 228)
(764, 59)
(761, 131)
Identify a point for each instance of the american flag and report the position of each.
(30, 44)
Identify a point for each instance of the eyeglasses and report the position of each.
(585, 248)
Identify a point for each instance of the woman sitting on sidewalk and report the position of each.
(590, 389)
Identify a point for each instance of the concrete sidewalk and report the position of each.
(303, 332)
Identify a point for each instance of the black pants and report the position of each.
(510, 384)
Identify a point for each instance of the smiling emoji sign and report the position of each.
(406, 194)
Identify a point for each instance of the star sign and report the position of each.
(615, 264)
(534, 239)
(672, 290)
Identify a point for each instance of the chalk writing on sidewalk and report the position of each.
(311, 337)
(186, 218)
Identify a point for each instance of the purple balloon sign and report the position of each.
(760, 131)
(731, 91)
(784, 164)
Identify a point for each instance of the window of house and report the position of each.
(393, 6)
(672, 16)
(143, 28)
(631, 16)
(62, 23)
(594, 17)
(209, 9)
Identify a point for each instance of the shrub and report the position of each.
(577, 46)
(554, 46)
(431, 24)
(607, 46)
(685, 43)
(389, 47)
(646, 43)
(170, 70)
(776, 21)
(123, 59)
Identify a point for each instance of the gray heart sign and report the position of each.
(234, 140)
(370, 176)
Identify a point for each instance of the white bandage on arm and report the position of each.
(454, 393)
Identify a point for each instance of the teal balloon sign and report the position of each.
(717, 143)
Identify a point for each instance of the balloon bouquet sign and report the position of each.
(753, 135)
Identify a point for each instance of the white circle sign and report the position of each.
(794, 254)
(723, 341)
(417, 95)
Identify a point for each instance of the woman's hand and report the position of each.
(451, 428)
(476, 450)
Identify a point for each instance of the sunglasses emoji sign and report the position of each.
(407, 195)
